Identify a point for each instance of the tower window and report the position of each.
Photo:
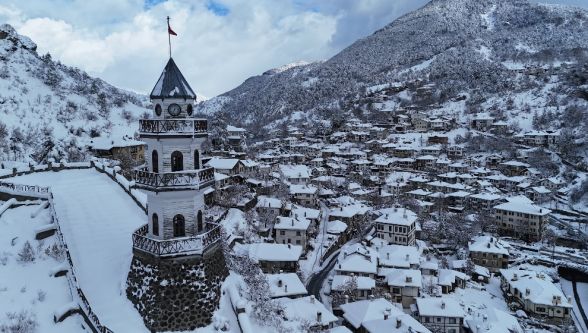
(196, 159)
(158, 110)
(155, 224)
(189, 109)
(179, 225)
(177, 161)
(154, 161)
(199, 219)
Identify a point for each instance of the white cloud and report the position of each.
(126, 44)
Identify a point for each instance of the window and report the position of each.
(438, 319)
(189, 109)
(298, 233)
(539, 309)
(158, 110)
(155, 224)
(177, 161)
(179, 225)
(452, 320)
(154, 161)
(282, 233)
(199, 221)
(196, 159)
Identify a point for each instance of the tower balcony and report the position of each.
(184, 126)
(175, 247)
(192, 179)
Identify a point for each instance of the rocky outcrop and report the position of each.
(176, 294)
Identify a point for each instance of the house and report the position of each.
(290, 230)
(440, 314)
(274, 258)
(521, 219)
(304, 194)
(397, 256)
(489, 252)
(455, 152)
(118, 149)
(514, 168)
(493, 320)
(351, 214)
(268, 205)
(449, 280)
(484, 201)
(227, 166)
(308, 310)
(285, 285)
(404, 285)
(538, 193)
(357, 260)
(362, 286)
(355, 314)
(482, 122)
(396, 225)
(535, 293)
(296, 173)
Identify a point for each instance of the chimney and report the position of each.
(346, 299)
(398, 322)
(285, 288)
(279, 282)
(407, 256)
(388, 255)
(515, 277)
(312, 299)
(289, 245)
(527, 291)
(386, 314)
(319, 316)
(443, 305)
(409, 279)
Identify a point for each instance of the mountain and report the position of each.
(489, 54)
(49, 110)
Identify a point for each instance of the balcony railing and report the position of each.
(193, 178)
(179, 246)
(173, 126)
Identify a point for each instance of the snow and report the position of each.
(275, 252)
(522, 207)
(356, 313)
(22, 285)
(396, 216)
(97, 219)
(439, 306)
(290, 285)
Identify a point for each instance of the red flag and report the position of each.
(170, 31)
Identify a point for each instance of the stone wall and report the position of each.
(176, 294)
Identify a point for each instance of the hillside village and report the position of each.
(389, 217)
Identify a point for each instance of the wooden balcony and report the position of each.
(194, 179)
(196, 127)
(178, 246)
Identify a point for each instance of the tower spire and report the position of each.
(170, 32)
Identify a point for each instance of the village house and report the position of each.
(482, 122)
(227, 166)
(274, 258)
(535, 293)
(290, 230)
(397, 226)
(285, 285)
(123, 149)
(440, 314)
(357, 260)
(449, 280)
(362, 286)
(306, 195)
(521, 219)
(308, 310)
(404, 285)
(296, 174)
(489, 252)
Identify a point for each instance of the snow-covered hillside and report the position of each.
(49, 110)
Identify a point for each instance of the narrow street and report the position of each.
(316, 281)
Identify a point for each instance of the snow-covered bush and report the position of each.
(21, 322)
(56, 252)
(41, 295)
(27, 253)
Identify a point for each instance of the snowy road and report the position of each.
(97, 219)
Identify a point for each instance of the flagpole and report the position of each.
(168, 37)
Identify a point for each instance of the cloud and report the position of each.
(220, 43)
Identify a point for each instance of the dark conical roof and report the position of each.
(172, 84)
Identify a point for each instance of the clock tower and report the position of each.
(178, 265)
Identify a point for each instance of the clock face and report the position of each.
(174, 110)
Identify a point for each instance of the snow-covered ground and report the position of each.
(97, 219)
(567, 288)
(29, 286)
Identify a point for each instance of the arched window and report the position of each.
(196, 159)
(199, 219)
(189, 109)
(179, 226)
(177, 161)
(155, 224)
(158, 110)
(154, 161)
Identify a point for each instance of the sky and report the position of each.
(220, 43)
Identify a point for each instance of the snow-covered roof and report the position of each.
(101, 143)
(357, 258)
(448, 277)
(290, 223)
(363, 282)
(285, 284)
(275, 252)
(268, 202)
(397, 216)
(302, 189)
(398, 256)
(172, 84)
(295, 171)
(309, 213)
(523, 207)
(439, 307)
(397, 322)
(307, 309)
(356, 313)
(231, 128)
(488, 244)
(535, 287)
(494, 321)
(486, 196)
(336, 227)
(222, 163)
(404, 277)
(350, 210)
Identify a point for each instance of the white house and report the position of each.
(397, 226)
(440, 314)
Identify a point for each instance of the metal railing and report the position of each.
(185, 245)
(173, 126)
(194, 178)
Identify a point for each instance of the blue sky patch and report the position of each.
(218, 8)
(152, 3)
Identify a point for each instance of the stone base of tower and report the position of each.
(176, 294)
